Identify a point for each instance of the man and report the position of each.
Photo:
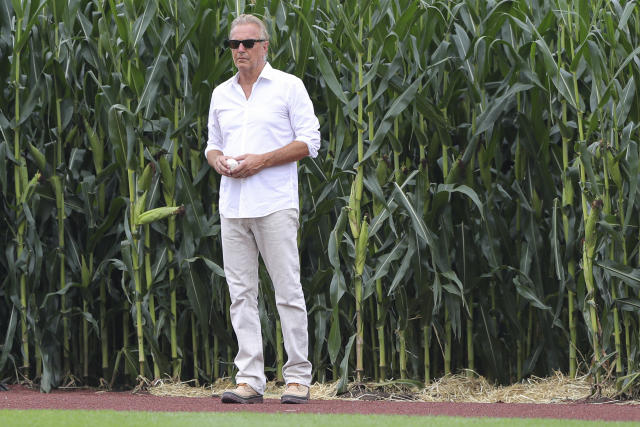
(261, 122)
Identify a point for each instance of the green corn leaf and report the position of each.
(386, 261)
(73, 251)
(386, 79)
(142, 22)
(158, 269)
(372, 184)
(337, 288)
(630, 276)
(188, 35)
(378, 222)
(487, 119)
(197, 294)
(152, 82)
(634, 164)
(419, 226)
(372, 72)
(626, 100)
(408, 18)
(555, 244)
(8, 338)
(622, 66)
(403, 270)
(335, 339)
(402, 308)
(26, 31)
(463, 189)
(28, 105)
(335, 238)
(87, 26)
(85, 273)
(397, 107)
(526, 290)
(7, 12)
(584, 19)
(4, 153)
(627, 381)
(121, 22)
(214, 267)
(348, 25)
(115, 210)
(344, 367)
(459, 287)
(57, 293)
(531, 362)
(191, 199)
(628, 304)
(323, 63)
(626, 14)
(119, 133)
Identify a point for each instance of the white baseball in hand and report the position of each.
(232, 163)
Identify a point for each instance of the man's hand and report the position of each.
(248, 165)
(218, 161)
(251, 164)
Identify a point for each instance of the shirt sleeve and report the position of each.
(304, 122)
(214, 141)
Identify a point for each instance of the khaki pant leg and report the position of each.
(240, 254)
(276, 237)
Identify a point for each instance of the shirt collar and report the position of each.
(267, 73)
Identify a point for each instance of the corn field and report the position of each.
(475, 206)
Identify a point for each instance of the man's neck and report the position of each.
(249, 78)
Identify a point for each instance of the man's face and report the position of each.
(248, 60)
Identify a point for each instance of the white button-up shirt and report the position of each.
(277, 113)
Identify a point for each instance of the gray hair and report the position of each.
(251, 19)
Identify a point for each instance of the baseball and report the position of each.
(232, 163)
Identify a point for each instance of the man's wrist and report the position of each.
(266, 160)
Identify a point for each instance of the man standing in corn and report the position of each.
(264, 120)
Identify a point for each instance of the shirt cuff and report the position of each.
(312, 145)
(313, 151)
(210, 148)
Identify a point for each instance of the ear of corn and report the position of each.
(157, 214)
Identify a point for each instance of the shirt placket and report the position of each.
(246, 114)
(242, 206)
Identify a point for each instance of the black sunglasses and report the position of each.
(248, 43)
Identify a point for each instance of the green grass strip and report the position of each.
(68, 418)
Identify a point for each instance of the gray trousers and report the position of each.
(274, 237)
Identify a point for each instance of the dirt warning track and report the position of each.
(19, 397)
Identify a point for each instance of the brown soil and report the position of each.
(21, 397)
